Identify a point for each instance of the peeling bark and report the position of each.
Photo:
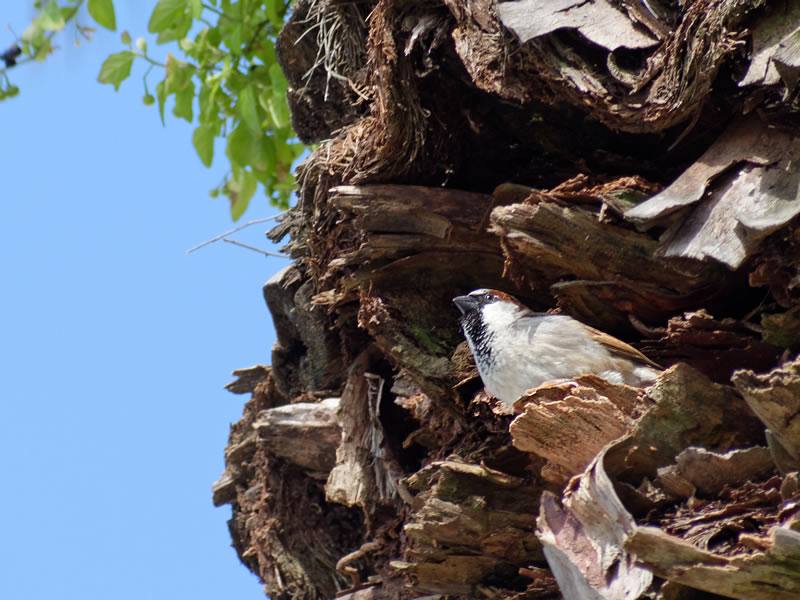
(775, 398)
(631, 164)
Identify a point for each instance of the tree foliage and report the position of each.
(225, 79)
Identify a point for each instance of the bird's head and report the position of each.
(492, 307)
(488, 318)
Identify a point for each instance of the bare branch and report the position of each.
(234, 230)
(230, 241)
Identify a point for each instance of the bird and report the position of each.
(517, 349)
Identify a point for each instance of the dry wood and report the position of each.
(769, 35)
(600, 22)
(746, 140)
(568, 424)
(592, 120)
(708, 472)
(769, 575)
(665, 86)
(467, 521)
(759, 196)
(775, 398)
(572, 240)
(364, 475)
(305, 434)
(282, 528)
(583, 541)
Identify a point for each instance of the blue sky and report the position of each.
(116, 344)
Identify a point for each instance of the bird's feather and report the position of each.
(620, 348)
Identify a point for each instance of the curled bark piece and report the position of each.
(775, 398)
(744, 209)
(738, 209)
(601, 22)
(745, 140)
(770, 34)
(584, 540)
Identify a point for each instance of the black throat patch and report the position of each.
(479, 337)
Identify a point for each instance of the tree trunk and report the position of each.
(631, 164)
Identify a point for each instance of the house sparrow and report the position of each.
(516, 349)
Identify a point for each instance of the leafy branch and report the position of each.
(227, 80)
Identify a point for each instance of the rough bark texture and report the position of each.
(632, 164)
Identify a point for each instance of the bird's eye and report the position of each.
(488, 297)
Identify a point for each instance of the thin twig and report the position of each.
(230, 241)
(234, 230)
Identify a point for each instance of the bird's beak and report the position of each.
(465, 303)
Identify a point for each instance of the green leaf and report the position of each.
(203, 141)
(51, 18)
(278, 79)
(245, 147)
(179, 73)
(285, 151)
(287, 185)
(241, 190)
(204, 103)
(33, 34)
(165, 14)
(116, 68)
(248, 110)
(272, 7)
(161, 94)
(241, 145)
(177, 30)
(264, 158)
(183, 103)
(279, 111)
(67, 12)
(233, 39)
(102, 11)
(41, 50)
(214, 36)
(197, 8)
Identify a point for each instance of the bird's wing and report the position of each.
(620, 348)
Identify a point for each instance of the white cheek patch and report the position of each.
(499, 315)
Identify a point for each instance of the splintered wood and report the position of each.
(632, 164)
(568, 424)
